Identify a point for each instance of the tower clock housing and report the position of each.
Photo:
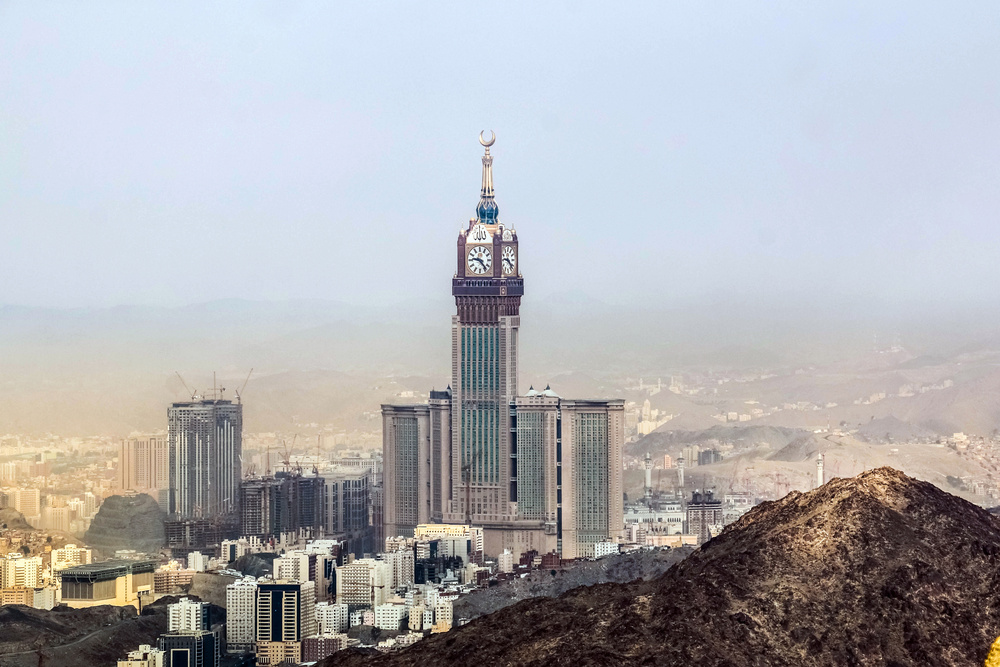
(487, 288)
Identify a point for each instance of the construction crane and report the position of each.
(239, 392)
(192, 393)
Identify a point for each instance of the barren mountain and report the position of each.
(879, 569)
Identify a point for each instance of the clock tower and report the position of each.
(487, 287)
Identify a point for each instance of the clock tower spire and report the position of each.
(487, 288)
(487, 212)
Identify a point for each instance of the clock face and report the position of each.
(480, 259)
(509, 260)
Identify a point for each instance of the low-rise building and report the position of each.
(144, 656)
(115, 582)
(70, 555)
(320, 646)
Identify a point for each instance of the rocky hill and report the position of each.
(621, 568)
(127, 522)
(879, 569)
(74, 637)
(11, 519)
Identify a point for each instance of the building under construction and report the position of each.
(283, 503)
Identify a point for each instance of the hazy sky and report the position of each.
(176, 152)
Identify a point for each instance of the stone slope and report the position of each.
(127, 522)
(880, 569)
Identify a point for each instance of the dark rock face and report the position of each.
(11, 519)
(127, 522)
(879, 570)
(620, 568)
(67, 637)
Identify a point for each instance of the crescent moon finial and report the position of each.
(484, 142)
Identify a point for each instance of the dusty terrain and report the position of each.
(880, 569)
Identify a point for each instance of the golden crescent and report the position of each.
(493, 137)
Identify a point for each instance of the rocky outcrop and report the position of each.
(621, 568)
(11, 519)
(127, 522)
(880, 569)
(74, 637)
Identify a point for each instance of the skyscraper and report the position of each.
(469, 456)
(487, 288)
(205, 440)
(144, 466)
(286, 614)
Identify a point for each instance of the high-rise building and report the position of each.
(70, 555)
(477, 454)
(144, 466)
(191, 648)
(346, 509)
(406, 456)
(704, 513)
(320, 646)
(331, 618)
(28, 502)
(241, 615)
(484, 349)
(308, 565)
(187, 614)
(364, 581)
(286, 614)
(402, 565)
(205, 441)
(284, 503)
(18, 570)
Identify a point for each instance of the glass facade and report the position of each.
(591, 488)
(480, 418)
(531, 465)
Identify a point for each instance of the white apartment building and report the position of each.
(241, 615)
(188, 615)
(20, 570)
(505, 561)
(309, 564)
(421, 618)
(365, 581)
(455, 539)
(402, 564)
(69, 556)
(605, 548)
(197, 561)
(331, 618)
(389, 616)
(145, 656)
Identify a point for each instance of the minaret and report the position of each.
(680, 474)
(819, 471)
(649, 477)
